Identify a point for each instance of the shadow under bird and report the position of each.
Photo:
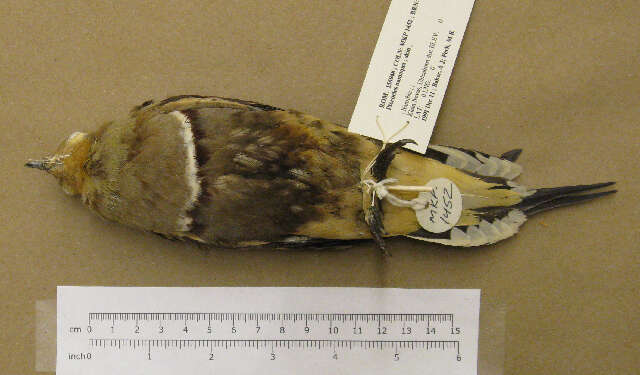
(236, 173)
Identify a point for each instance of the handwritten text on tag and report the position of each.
(444, 206)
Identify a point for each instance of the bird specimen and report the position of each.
(235, 173)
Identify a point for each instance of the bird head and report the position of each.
(67, 163)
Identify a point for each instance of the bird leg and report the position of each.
(373, 217)
(385, 157)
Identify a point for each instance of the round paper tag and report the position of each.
(444, 206)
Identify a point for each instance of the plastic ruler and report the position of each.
(270, 330)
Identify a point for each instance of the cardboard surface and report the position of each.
(559, 79)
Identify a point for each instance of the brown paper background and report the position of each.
(557, 78)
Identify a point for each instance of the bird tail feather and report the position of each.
(550, 198)
(499, 223)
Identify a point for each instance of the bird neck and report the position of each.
(73, 175)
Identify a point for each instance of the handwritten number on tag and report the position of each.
(447, 203)
(446, 209)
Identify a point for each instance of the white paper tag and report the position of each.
(410, 68)
(162, 331)
(444, 206)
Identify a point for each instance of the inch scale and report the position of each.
(203, 342)
(174, 331)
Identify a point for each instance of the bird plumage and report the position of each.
(236, 173)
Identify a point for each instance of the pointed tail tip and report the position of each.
(602, 184)
(567, 200)
(602, 193)
(544, 194)
(597, 185)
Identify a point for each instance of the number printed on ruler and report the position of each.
(271, 330)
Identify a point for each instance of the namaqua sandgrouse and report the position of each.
(235, 173)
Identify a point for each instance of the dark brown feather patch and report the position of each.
(266, 171)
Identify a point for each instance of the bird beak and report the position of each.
(43, 165)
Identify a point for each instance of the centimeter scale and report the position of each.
(270, 330)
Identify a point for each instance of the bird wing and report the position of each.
(264, 172)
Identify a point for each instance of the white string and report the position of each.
(381, 188)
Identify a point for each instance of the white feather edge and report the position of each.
(482, 165)
(483, 234)
(191, 171)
